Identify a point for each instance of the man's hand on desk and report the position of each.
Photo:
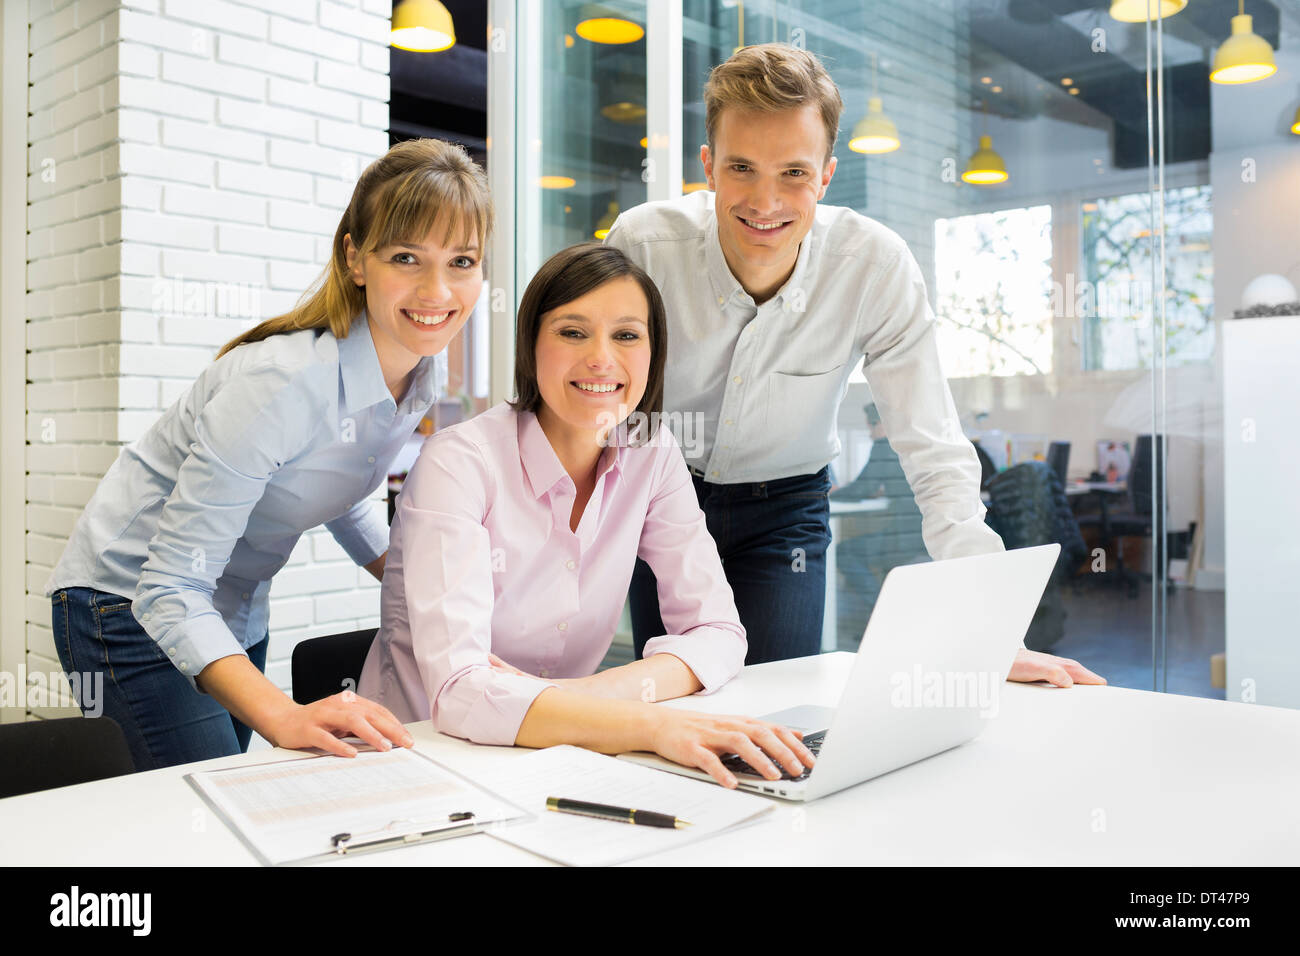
(1033, 666)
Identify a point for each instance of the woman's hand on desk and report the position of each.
(1033, 666)
(699, 740)
(236, 684)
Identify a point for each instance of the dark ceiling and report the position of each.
(1030, 44)
(444, 95)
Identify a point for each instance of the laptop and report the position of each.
(927, 676)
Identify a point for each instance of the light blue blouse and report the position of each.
(273, 439)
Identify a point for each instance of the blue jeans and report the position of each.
(165, 720)
(772, 537)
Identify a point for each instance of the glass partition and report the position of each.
(1080, 302)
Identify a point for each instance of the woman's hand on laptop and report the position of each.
(700, 740)
(1033, 666)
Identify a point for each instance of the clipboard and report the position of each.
(313, 809)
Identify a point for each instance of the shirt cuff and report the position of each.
(196, 642)
(364, 540)
(485, 706)
(714, 654)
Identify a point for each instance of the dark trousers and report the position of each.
(165, 720)
(772, 537)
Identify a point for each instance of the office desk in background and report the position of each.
(1089, 775)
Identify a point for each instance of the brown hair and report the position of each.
(414, 188)
(570, 274)
(771, 77)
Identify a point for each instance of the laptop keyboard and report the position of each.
(737, 764)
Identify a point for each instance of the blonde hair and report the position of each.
(417, 186)
(768, 78)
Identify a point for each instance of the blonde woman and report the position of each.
(163, 586)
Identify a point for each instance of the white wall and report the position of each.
(1255, 174)
(199, 147)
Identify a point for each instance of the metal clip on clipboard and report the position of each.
(457, 824)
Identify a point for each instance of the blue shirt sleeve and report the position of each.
(361, 532)
(258, 419)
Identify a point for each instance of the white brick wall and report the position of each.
(177, 142)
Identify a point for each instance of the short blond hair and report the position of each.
(768, 78)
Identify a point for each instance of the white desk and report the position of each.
(830, 623)
(1089, 775)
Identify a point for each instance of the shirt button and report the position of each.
(171, 652)
(563, 625)
(728, 422)
(570, 565)
(736, 379)
(721, 300)
(715, 474)
(544, 673)
(371, 459)
(185, 665)
(244, 595)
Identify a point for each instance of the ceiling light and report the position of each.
(875, 132)
(985, 167)
(606, 222)
(1244, 57)
(602, 26)
(423, 26)
(1139, 11)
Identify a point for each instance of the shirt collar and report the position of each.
(542, 466)
(725, 284)
(363, 379)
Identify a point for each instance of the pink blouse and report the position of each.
(481, 558)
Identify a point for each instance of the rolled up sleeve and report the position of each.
(696, 604)
(243, 435)
(920, 418)
(446, 584)
(361, 532)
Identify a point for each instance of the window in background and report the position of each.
(1117, 252)
(993, 292)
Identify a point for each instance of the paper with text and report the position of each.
(577, 774)
(289, 810)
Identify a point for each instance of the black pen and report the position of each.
(645, 818)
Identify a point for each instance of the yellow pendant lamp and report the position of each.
(423, 26)
(985, 166)
(875, 132)
(1295, 127)
(1244, 57)
(606, 222)
(1135, 11)
(600, 25)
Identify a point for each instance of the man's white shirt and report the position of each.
(765, 382)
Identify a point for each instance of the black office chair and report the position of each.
(322, 666)
(44, 754)
(1138, 521)
(1028, 507)
(1058, 456)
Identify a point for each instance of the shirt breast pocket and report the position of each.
(802, 408)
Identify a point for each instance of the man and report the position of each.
(771, 300)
